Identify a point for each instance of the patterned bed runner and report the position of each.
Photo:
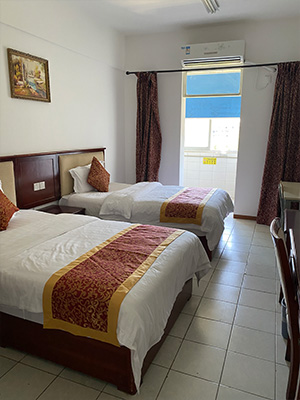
(186, 206)
(84, 297)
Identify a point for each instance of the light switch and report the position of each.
(36, 186)
(42, 185)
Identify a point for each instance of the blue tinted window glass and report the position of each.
(206, 84)
(213, 107)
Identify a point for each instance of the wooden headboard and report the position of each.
(37, 176)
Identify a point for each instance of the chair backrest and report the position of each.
(281, 203)
(287, 279)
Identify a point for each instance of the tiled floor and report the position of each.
(226, 344)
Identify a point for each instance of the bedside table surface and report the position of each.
(56, 209)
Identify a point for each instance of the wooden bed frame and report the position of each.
(95, 358)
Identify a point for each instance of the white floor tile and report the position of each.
(192, 305)
(83, 379)
(30, 383)
(152, 383)
(255, 318)
(12, 353)
(249, 374)
(226, 393)
(252, 298)
(198, 290)
(5, 365)
(208, 276)
(42, 364)
(267, 242)
(227, 278)
(282, 374)
(234, 246)
(231, 266)
(263, 271)
(264, 259)
(222, 292)
(179, 386)
(216, 310)
(167, 352)
(252, 343)
(258, 283)
(261, 233)
(262, 250)
(262, 228)
(105, 396)
(62, 389)
(242, 239)
(181, 325)
(234, 255)
(206, 331)
(200, 360)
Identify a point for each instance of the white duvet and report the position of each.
(141, 203)
(37, 244)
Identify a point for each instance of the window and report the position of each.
(212, 111)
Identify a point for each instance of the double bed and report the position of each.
(37, 245)
(141, 202)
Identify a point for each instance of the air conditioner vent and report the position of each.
(200, 55)
(202, 62)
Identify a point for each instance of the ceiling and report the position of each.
(150, 16)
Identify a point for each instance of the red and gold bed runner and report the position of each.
(186, 206)
(84, 297)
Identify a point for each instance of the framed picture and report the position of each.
(29, 76)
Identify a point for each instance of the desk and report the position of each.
(290, 193)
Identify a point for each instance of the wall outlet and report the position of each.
(39, 186)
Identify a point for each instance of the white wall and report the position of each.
(266, 41)
(86, 61)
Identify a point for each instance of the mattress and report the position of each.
(37, 244)
(141, 203)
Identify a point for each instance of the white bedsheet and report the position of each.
(142, 202)
(37, 244)
(91, 201)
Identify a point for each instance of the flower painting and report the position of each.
(29, 76)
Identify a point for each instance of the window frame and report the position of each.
(186, 96)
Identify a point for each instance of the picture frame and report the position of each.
(29, 76)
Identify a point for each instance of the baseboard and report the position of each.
(250, 217)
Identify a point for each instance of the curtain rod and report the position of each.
(207, 68)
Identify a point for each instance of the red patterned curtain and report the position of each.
(148, 133)
(283, 151)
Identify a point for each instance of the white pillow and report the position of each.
(80, 175)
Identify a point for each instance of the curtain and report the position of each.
(148, 133)
(283, 150)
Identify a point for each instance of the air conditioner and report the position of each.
(197, 55)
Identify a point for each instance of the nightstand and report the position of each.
(56, 209)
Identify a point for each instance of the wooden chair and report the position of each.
(289, 288)
(281, 203)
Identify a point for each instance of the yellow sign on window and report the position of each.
(210, 160)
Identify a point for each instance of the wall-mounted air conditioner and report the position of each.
(217, 53)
